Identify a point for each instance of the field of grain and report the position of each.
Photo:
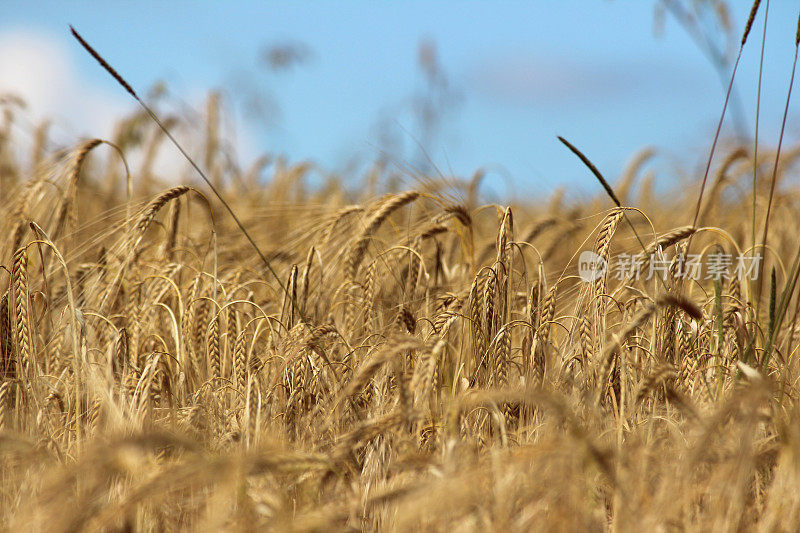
(387, 357)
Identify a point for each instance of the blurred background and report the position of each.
(423, 88)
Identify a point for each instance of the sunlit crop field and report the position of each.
(392, 352)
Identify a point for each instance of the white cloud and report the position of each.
(38, 68)
(35, 67)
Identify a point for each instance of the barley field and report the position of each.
(393, 354)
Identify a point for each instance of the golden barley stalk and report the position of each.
(370, 367)
(22, 333)
(587, 344)
(502, 354)
(155, 205)
(661, 375)
(7, 363)
(172, 235)
(120, 362)
(306, 279)
(5, 403)
(425, 370)
(668, 239)
(240, 360)
(382, 212)
(611, 351)
(68, 201)
(547, 314)
(213, 351)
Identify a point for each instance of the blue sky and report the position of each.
(518, 74)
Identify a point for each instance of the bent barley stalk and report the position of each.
(385, 208)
